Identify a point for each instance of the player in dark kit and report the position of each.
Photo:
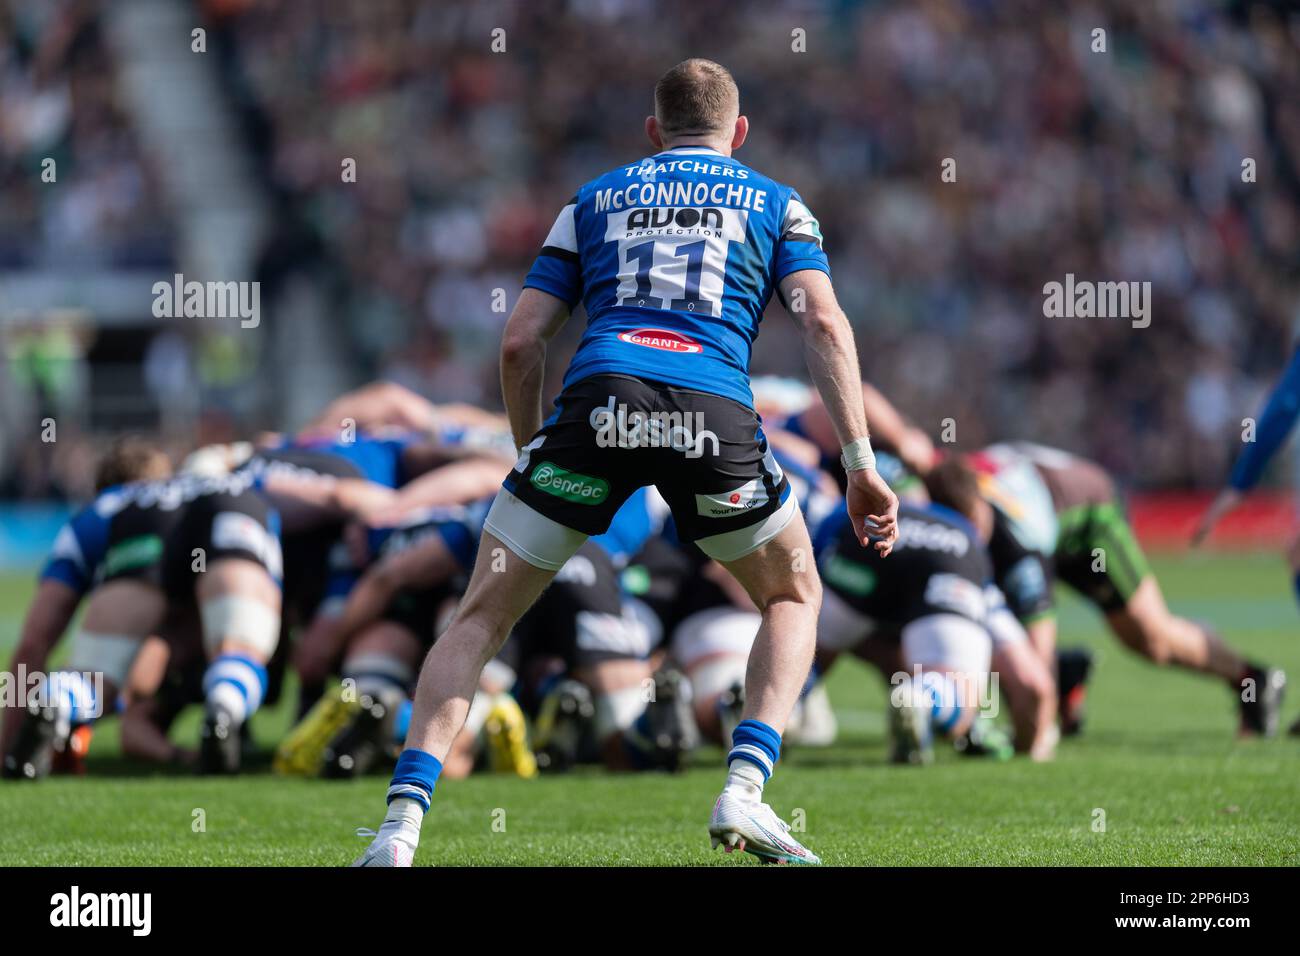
(934, 601)
(675, 257)
(141, 553)
(1060, 518)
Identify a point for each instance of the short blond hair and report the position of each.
(695, 97)
(132, 458)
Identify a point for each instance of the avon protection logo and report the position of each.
(569, 485)
(665, 340)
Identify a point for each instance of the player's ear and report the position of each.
(742, 130)
(652, 130)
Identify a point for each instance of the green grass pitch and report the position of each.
(1158, 759)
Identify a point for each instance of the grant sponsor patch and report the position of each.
(665, 340)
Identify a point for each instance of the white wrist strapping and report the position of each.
(858, 456)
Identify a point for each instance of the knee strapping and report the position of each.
(618, 710)
(109, 654)
(241, 620)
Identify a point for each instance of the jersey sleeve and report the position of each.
(799, 244)
(77, 551)
(1275, 423)
(557, 269)
(1027, 587)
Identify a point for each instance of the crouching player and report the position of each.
(932, 600)
(1094, 551)
(140, 552)
(583, 652)
(413, 575)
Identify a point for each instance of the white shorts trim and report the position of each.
(733, 545)
(617, 710)
(947, 642)
(1005, 628)
(541, 541)
(624, 635)
(717, 675)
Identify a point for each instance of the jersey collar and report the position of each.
(689, 151)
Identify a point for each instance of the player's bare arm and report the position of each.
(536, 319)
(832, 360)
(457, 483)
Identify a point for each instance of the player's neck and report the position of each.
(691, 142)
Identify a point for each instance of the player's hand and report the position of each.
(1227, 500)
(873, 508)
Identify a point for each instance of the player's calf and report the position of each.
(239, 605)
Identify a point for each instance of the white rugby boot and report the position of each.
(742, 821)
(398, 836)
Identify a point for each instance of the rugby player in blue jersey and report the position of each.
(1274, 424)
(675, 257)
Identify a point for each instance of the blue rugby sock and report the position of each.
(234, 685)
(74, 697)
(415, 777)
(755, 743)
(944, 699)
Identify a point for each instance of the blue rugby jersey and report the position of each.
(378, 459)
(675, 257)
(459, 527)
(77, 556)
(1275, 422)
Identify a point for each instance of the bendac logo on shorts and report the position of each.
(665, 340)
(569, 485)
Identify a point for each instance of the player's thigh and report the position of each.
(120, 615)
(782, 568)
(125, 606)
(502, 586)
(1101, 557)
(1142, 621)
